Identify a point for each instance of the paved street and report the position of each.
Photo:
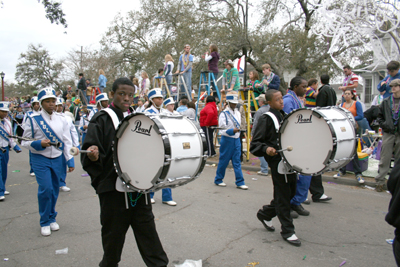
(217, 225)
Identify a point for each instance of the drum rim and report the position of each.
(167, 147)
(333, 133)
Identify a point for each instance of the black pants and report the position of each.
(115, 221)
(316, 187)
(209, 132)
(396, 249)
(280, 205)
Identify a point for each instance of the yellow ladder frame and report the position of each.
(250, 97)
(162, 82)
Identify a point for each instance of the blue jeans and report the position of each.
(166, 194)
(102, 89)
(303, 184)
(187, 76)
(362, 126)
(263, 165)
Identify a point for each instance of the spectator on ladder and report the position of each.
(255, 85)
(209, 120)
(102, 80)
(169, 66)
(230, 79)
(212, 60)
(101, 103)
(82, 85)
(270, 79)
(185, 68)
(144, 85)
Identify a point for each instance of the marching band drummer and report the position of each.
(49, 128)
(230, 148)
(5, 142)
(74, 139)
(155, 107)
(101, 103)
(35, 105)
(169, 105)
(115, 217)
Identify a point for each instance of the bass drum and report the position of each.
(152, 152)
(322, 139)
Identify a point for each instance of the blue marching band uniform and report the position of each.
(5, 143)
(48, 161)
(166, 192)
(30, 113)
(230, 148)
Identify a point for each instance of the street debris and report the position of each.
(190, 263)
(62, 251)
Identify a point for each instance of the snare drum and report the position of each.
(322, 139)
(152, 152)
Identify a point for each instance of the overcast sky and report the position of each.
(23, 22)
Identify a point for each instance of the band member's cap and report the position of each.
(156, 92)
(232, 98)
(90, 107)
(34, 99)
(101, 97)
(46, 93)
(4, 106)
(169, 101)
(59, 101)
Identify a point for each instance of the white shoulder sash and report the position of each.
(113, 116)
(274, 119)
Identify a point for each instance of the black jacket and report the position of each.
(393, 185)
(326, 96)
(101, 133)
(385, 119)
(82, 84)
(265, 136)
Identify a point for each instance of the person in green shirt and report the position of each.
(256, 86)
(230, 79)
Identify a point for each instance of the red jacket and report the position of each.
(209, 115)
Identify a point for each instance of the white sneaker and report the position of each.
(170, 203)
(65, 188)
(32, 174)
(152, 201)
(262, 173)
(222, 184)
(2, 198)
(244, 187)
(6, 193)
(54, 226)
(45, 231)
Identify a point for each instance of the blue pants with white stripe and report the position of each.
(4, 157)
(63, 171)
(30, 161)
(230, 149)
(48, 175)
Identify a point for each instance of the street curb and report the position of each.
(325, 178)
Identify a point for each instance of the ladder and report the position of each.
(161, 81)
(206, 82)
(181, 83)
(246, 106)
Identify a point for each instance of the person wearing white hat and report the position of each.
(155, 107)
(5, 143)
(35, 105)
(53, 141)
(169, 105)
(230, 148)
(101, 103)
(75, 141)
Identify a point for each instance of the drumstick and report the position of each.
(289, 148)
(74, 151)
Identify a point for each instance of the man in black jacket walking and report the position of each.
(82, 86)
(326, 95)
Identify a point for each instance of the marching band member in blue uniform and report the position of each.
(35, 105)
(230, 148)
(5, 142)
(101, 103)
(48, 128)
(74, 138)
(155, 107)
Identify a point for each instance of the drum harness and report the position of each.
(133, 202)
(277, 127)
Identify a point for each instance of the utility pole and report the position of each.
(246, 20)
(82, 59)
